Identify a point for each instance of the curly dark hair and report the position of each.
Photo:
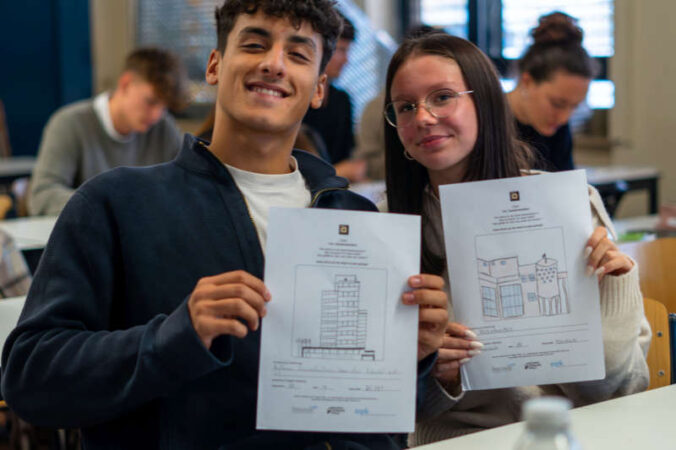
(320, 14)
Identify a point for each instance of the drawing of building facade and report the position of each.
(343, 324)
(510, 290)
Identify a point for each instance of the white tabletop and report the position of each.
(611, 174)
(373, 190)
(16, 166)
(10, 309)
(29, 232)
(639, 421)
(637, 223)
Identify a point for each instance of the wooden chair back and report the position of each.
(659, 356)
(655, 260)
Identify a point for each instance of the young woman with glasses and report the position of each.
(448, 122)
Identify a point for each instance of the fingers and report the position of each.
(459, 330)
(425, 280)
(241, 277)
(603, 256)
(219, 304)
(231, 291)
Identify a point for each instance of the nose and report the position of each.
(423, 117)
(273, 62)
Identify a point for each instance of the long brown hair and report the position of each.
(497, 153)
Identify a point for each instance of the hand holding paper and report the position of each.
(433, 313)
(217, 304)
(603, 256)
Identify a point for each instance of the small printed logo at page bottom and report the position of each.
(343, 229)
(514, 196)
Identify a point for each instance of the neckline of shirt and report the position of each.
(102, 110)
(264, 181)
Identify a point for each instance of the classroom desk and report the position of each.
(31, 235)
(613, 181)
(373, 190)
(639, 421)
(15, 167)
(10, 310)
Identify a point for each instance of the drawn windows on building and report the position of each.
(489, 303)
(512, 301)
(532, 297)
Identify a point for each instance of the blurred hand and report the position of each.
(433, 314)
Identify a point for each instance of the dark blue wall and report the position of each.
(45, 62)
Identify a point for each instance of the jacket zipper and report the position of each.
(321, 191)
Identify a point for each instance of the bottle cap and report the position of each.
(547, 413)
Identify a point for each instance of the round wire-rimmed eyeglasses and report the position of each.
(439, 103)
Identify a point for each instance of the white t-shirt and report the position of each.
(261, 191)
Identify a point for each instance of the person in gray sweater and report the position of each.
(126, 127)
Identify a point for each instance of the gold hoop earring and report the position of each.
(408, 156)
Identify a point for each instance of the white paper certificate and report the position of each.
(338, 347)
(515, 252)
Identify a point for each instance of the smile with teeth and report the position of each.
(266, 91)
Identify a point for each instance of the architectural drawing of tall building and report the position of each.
(343, 325)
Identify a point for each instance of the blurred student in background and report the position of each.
(126, 127)
(554, 76)
(333, 122)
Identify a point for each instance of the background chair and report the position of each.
(656, 260)
(659, 356)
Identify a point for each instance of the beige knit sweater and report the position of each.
(626, 337)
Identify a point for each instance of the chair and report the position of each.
(5, 149)
(659, 355)
(655, 260)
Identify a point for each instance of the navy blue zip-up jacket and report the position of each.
(105, 342)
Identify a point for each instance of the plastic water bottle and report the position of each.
(547, 425)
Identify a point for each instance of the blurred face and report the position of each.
(549, 104)
(339, 58)
(141, 108)
(442, 145)
(268, 74)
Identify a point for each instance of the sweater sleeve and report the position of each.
(66, 364)
(52, 181)
(626, 331)
(626, 338)
(436, 399)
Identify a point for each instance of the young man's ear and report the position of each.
(211, 74)
(124, 81)
(320, 92)
(526, 80)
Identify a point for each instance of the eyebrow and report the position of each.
(296, 39)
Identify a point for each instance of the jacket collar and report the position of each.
(196, 157)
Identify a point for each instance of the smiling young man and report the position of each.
(142, 324)
(126, 127)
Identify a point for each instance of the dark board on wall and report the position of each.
(45, 62)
